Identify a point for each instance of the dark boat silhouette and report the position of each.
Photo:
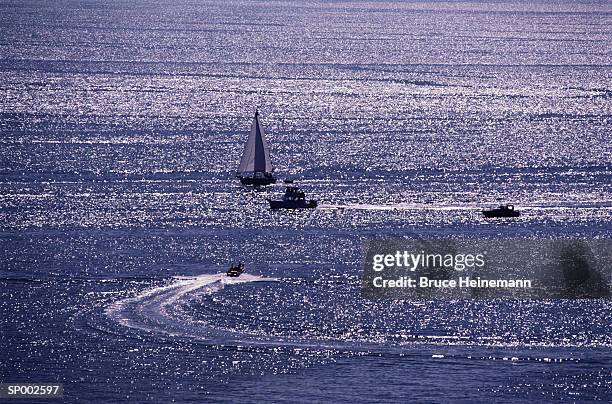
(294, 198)
(235, 270)
(255, 165)
(501, 211)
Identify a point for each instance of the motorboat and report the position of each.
(294, 198)
(501, 211)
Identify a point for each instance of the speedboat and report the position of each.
(501, 211)
(235, 270)
(294, 198)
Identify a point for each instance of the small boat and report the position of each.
(294, 198)
(255, 165)
(501, 211)
(235, 270)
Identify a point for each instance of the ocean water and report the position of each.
(121, 126)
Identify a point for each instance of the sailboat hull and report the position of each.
(257, 180)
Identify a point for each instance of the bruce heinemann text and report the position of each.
(462, 282)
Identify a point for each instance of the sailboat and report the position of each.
(255, 166)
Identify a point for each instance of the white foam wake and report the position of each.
(399, 206)
(155, 309)
(548, 205)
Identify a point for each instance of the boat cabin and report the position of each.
(294, 194)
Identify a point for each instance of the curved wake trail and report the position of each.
(158, 310)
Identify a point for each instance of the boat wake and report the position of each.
(399, 206)
(478, 207)
(160, 309)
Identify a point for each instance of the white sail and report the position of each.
(256, 155)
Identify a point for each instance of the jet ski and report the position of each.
(235, 270)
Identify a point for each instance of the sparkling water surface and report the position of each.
(121, 126)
